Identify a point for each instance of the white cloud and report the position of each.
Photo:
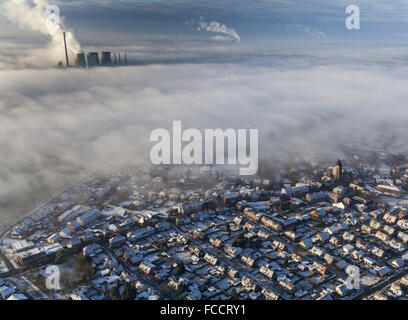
(217, 27)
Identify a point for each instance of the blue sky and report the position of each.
(382, 22)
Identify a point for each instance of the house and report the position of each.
(317, 196)
(384, 271)
(377, 252)
(306, 243)
(403, 224)
(116, 241)
(266, 271)
(269, 294)
(212, 260)
(6, 292)
(17, 296)
(342, 290)
(329, 258)
(147, 267)
(348, 248)
(398, 263)
(73, 213)
(233, 274)
(249, 284)
(215, 242)
(381, 235)
(65, 233)
(249, 261)
(368, 261)
(89, 217)
(323, 236)
(232, 251)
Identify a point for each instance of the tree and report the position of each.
(285, 262)
(84, 267)
(129, 293)
(239, 240)
(114, 293)
(180, 268)
(106, 290)
(234, 294)
(60, 257)
(227, 228)
(83, 260)
(294, 208)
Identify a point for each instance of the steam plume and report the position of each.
(40, 16)
(217, 27)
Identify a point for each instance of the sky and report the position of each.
(288, 68)
(151, 30)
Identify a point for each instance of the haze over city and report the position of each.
(290, 69)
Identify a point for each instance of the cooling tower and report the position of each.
(80, 60)
(106, 58)
(93, 59)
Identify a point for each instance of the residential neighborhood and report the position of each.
(203, 235)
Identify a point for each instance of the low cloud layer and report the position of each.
(59, 125)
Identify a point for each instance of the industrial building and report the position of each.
(91, 59)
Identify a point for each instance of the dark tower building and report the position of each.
(80, 60)
(106, 58)
(339, 171)
(93, 59)
(125, 62)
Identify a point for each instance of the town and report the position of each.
(200, 234)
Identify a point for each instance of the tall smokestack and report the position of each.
(66, 51)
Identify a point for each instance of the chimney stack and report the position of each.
(66, 51)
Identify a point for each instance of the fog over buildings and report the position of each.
(309, 97)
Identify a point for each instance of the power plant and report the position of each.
(106, 58)
(92, 59)
(80, 60)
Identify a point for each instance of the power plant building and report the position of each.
(80, 60)
(93, 59)
(106, 58)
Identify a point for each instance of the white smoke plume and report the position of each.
(40, 16)
(217, 27)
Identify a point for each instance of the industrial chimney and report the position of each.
(93, 60)
(66, 51)
(80, 60)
